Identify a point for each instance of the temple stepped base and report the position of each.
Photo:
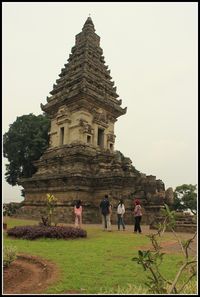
(183, 224)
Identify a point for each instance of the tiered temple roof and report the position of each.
(85, 76)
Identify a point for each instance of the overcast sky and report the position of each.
(151, 50)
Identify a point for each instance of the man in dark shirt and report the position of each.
(105, 212)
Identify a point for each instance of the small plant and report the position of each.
(9, 255)
(59, 232)
(51, 204)
(151, 260)
(45, 221)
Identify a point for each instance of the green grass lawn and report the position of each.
(94, 264)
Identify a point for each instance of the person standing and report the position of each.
(120, 214)
(110, 214)
(78, 214)
(105, 213)
(138, 216)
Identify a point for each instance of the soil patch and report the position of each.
(29, 274)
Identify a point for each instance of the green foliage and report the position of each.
(9, 255)
(25, 141)
(151, 260)
(9, 209)
(185, 197)
(51, 202)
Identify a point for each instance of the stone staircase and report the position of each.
(184, 223)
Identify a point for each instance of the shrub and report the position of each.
(9, 255)
(33, 232)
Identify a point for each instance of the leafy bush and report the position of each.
(9, 255)
(33, 232)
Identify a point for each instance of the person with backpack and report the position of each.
(120, 214)
(105, 208)
(78, 214)
(138, 216)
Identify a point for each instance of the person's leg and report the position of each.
(136, 224)
(80, 220)
(108, 222)
(139, 228)
(118, 221)
(122, 221)
(103, 221)
(105, 225)
(76, 221)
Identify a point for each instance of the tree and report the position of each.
(25, 141)
(185, 197)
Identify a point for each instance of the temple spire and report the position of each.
(85, 73)
(88, 24)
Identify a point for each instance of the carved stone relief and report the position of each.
(85, 127)
(63, 115)
(111, 137)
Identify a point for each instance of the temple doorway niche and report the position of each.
(89, 139)
(100, 139)
(62, 136)
(111, 146)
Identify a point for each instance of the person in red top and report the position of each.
(138, 216)
(78, 213)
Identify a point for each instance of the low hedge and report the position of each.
(33, 232)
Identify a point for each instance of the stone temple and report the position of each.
(81, 161)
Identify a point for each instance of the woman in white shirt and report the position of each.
(120, 214)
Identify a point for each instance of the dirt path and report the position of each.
(28, 274)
